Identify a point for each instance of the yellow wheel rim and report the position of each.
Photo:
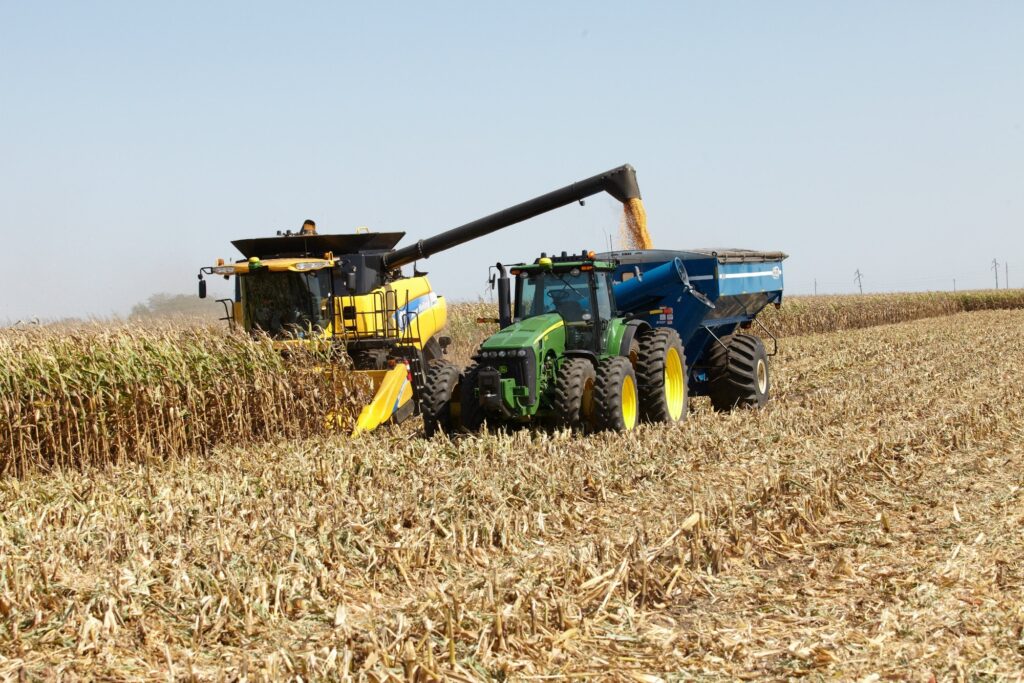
(675, 384)
(629, 402)
(762, 376)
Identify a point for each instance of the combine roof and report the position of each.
(317, 245)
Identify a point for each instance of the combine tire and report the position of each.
(472, 413)
(615, 399)
(738, 374)
(661, 375)
(574, 391)
(438, 388)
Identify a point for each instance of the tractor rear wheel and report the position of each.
(661, 374)
(574, 391)
(438, 388)
(616, 404)
(738, 373)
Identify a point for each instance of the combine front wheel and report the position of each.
(615, 399)
(738, 373)
(438, 388)
(661, 371)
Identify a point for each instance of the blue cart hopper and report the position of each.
(704, 294)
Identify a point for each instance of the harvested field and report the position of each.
(868, 523)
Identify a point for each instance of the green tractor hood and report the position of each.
(548, 328)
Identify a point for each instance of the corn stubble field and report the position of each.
(868, 524)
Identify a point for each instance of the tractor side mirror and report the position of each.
(202, 287)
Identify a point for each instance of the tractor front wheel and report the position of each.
(738, 373)
(574, 391)
(615, 398)
(661, 373)
(471, 411)
(438, 389)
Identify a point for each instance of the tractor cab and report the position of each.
(576, 287)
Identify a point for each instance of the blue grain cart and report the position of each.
(708, 296)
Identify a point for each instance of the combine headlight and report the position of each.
(223, 270)
(308, 265)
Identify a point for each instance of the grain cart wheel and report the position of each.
(616, 405)
(574, 392)
(438, 387)
(661, 375)
(472, 413)
(738, 374)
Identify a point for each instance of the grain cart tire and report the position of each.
(738, 373)
(616, 405)
(574, 392)
(438, 388)
(472, 413)
(661, 376)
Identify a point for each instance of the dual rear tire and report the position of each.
(615, 395)
(593, 399)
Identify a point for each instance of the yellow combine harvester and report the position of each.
(349, 291)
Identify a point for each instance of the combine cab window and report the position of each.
(286, 304)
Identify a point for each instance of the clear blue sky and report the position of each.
(138, 138)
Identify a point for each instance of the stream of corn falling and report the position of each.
(633, 229)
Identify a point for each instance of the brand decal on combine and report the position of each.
(406, 314)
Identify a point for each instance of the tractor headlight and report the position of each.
(521, 353)
(502, 353)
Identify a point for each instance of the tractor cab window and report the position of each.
(286, 304)
(566, 293)
(603, 293)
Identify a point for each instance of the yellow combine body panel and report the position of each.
(406, 309)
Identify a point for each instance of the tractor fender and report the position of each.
(633, 328)
(581, 353)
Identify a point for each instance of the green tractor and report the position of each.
(563, 358)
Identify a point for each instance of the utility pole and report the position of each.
(857, 276)
(1006, 280)
(995, 269)
(954, 285)
(815, 286)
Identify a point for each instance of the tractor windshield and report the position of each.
(286, 304)
(571, 294)
(567, 294)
